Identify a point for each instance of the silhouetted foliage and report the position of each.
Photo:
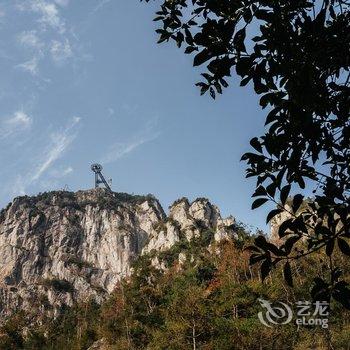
(298, 61)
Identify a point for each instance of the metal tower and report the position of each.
(99, 179)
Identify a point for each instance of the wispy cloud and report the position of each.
(60, 51)
(49, 16)
(100, 5)
(119, 150)
(30, 66)
(60, 173)
(60, 141)
(18, 122)
(19, 118)
(29, 38)
(59, 43)
(67, 171)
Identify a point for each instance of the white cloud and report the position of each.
(19, 121)
(67, 171)
(100, 5)
(120, 149)
(49, 14)
(20, 118)
(30, 39)
(60, 173)
(30, 66)
(58, 144)
(61, 51)
(60, 141)
(50, 37)
(75, 120)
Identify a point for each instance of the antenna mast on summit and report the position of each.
(99, 178)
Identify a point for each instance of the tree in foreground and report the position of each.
(298, 61)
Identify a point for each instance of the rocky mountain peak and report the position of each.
(60, 247)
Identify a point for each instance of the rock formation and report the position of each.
(61, 247)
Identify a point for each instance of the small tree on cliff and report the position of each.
(298, 62)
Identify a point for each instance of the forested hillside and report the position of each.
(206, 300)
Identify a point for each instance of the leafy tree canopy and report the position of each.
(296, 54)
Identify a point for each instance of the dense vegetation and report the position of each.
(295, 54)
(210, 301)
(78, 200)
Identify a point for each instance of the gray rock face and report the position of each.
(61, 247)
(276, 222)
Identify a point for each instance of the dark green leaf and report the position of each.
(243, 66)
(344, 246)
(330, 247)
(201, 57)
(261, 242)
(282, 230)
(320, 290)
(265, 269)
(260, 191)
(271, 189)
(342, 294)
(253, 259)
(284, 194)
(289, 244)
(255, 143)
(287, 272)
(297, 201)
(272, 214)
(238, 40)
(190, 49)
(259, 202)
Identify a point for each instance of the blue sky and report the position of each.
(84, 81)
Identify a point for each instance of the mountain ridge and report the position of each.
(58, 248)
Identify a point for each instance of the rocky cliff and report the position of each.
(61, 247)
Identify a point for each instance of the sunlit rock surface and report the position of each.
(61, 247)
